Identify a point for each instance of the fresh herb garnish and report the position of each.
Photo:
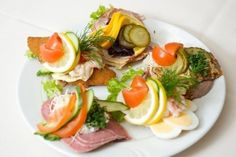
(89, 40)
(43, 72)
(93, 55)
(118, 116)
(174, 83)
(51, 88)
(30, 54)
(115, 85)
(198, 63)
(96, 117)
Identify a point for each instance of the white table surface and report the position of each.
(212, 21)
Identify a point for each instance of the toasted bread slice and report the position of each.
(34, 44)
(98, 78)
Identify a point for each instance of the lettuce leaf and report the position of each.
(98, 13)
(51, 88)
(43, 72)
(49, 137)
(30, 55)
(115, 85)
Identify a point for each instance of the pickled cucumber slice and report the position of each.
(139, 36)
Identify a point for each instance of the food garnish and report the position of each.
(115, 85)
(134, 96)
(167, 56)
(156, 96)
(52, 88)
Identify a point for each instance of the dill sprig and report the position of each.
(174, 84)
(198, 63)
(89, 40)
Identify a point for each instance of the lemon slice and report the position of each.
(145, 111)
(162, 103)
(66, 62)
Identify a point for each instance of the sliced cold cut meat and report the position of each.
(200, 90)
(88, 142)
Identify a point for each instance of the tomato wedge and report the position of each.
(52, 50)
(167, 56)
(161, 57)
(73, 126)
(172, 47)
(139, 90)
(59, 117)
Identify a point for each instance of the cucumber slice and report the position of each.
(90, 96)
(185, 60)
(180, 64)
(74, 40)
(126, 32)
(78, 103)
(123, 42)
(139, 36)
(111, 106)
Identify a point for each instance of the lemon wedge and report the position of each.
(162, 103)
(141, 114)
(66, 62)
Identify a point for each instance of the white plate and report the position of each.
(144, 143)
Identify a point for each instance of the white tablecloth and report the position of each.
(212, 21)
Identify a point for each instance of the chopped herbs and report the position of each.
(90, 40)
(51, 88)
(30, 54)
(43, 72)
(174, 83)
(115, 85)
(118, 116)
(198, 63)
(96, 117)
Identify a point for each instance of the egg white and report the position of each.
(181, 122)
(163, 130)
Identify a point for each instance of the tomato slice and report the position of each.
(73, 126)
(161, 57)
(54, 42)
(172, 47)
(52, 50)
(139, 90)
(167, 56)
(59, 117)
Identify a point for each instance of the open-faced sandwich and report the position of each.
(131, 39)
(65, 61)
(158, 96)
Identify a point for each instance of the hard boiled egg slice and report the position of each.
(165, 131)
(185, 121)
(190, 105)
